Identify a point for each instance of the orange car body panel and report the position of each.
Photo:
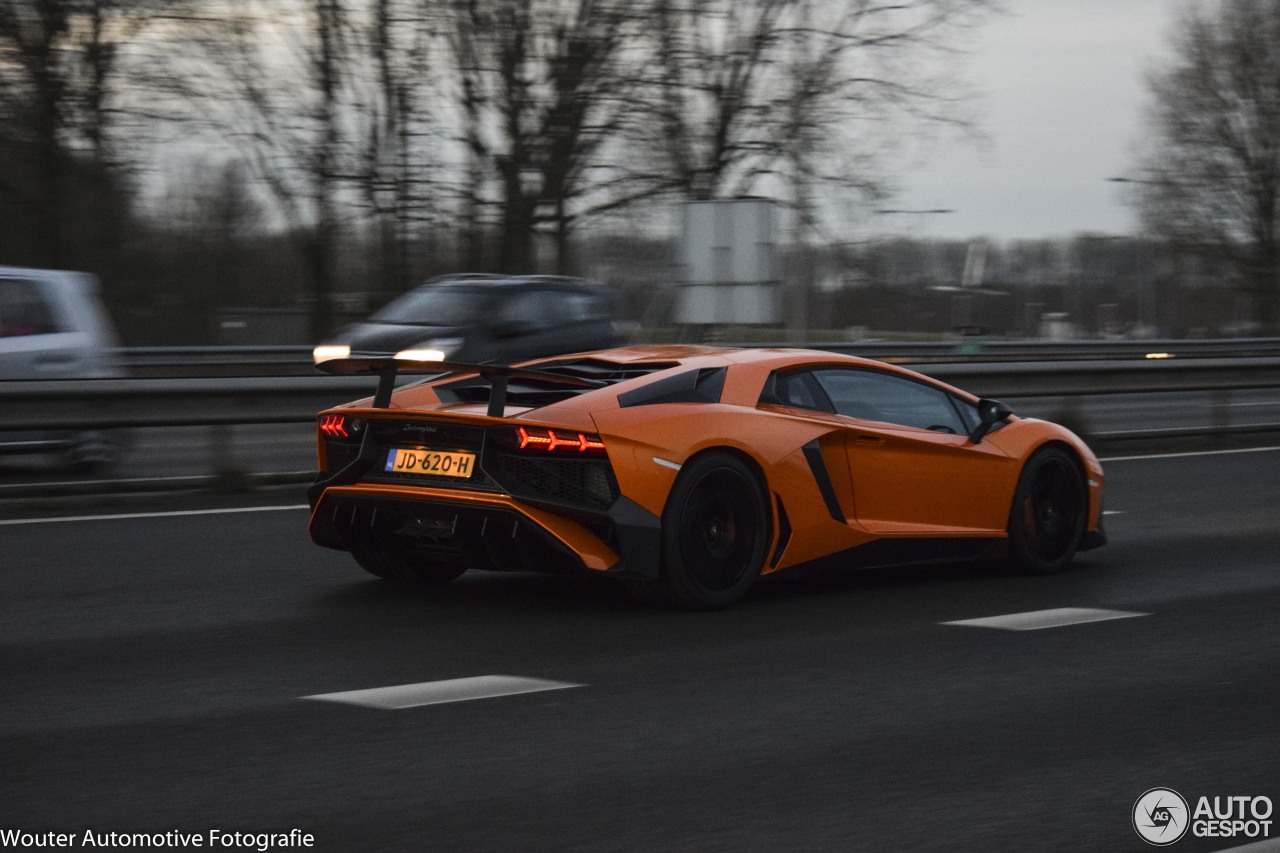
(889, 482)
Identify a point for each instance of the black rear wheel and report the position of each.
(715, 529)
(1050, 509)
(400, 567)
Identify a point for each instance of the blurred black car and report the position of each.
(477, 318)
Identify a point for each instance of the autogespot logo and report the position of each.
(1160, 816)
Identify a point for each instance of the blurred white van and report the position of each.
(53, 326)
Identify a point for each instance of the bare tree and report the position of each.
(798, 98)
(399, 134)
(61, 78)
(797, 89)
(542, 87)
(711, 93)
(1211, 175)
(203, 228)
(277, 83)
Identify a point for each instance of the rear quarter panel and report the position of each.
(674, 432)
(774, 442)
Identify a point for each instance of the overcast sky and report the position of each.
(1062, 105)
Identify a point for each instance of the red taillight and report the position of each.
(537, 438)
(334, 426)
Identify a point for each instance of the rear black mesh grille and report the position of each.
(340, 454)
(586, 483)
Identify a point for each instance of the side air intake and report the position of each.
(703, 385)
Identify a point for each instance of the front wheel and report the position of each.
(1050, 509)
(715, 530)
(399, 567)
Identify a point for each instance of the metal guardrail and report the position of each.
(254, 386)
(208, 401)
(218, 403)
(981, 349)
(215, 361)
(296, 360)
(1090, 378)
(79, 404)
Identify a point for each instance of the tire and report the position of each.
(1049, 513)
(399, 568)
(715, 530)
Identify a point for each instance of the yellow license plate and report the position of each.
(435, 463)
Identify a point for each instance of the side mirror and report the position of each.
(990, 413)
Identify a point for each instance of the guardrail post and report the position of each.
(227, 473)
(1069, 415)
(1220, 412)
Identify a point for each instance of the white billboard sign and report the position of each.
(730, 268)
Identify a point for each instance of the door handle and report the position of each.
(870, 440)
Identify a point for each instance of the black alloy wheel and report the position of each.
(1050, 508)
(715, 529)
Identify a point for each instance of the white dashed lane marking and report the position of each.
(1036, 620)
(440, 692)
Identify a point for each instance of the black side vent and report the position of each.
(532, 393)
(784, 532)
(609, 372)
(524, 392)
(703, 385)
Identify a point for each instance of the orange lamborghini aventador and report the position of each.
(688, 472)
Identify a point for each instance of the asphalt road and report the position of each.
(153, 669)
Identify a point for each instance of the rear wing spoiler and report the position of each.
(497, 375)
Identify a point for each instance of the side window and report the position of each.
(875, 396)
(800, 390)
(536, 309)
(581, 307)
(969, 414)
(22, 310)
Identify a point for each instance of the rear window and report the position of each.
(23, 310)
(435, 306)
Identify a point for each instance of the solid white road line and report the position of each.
(1187, 454)
(121, 515)
(1035, 620)
(439, 692)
